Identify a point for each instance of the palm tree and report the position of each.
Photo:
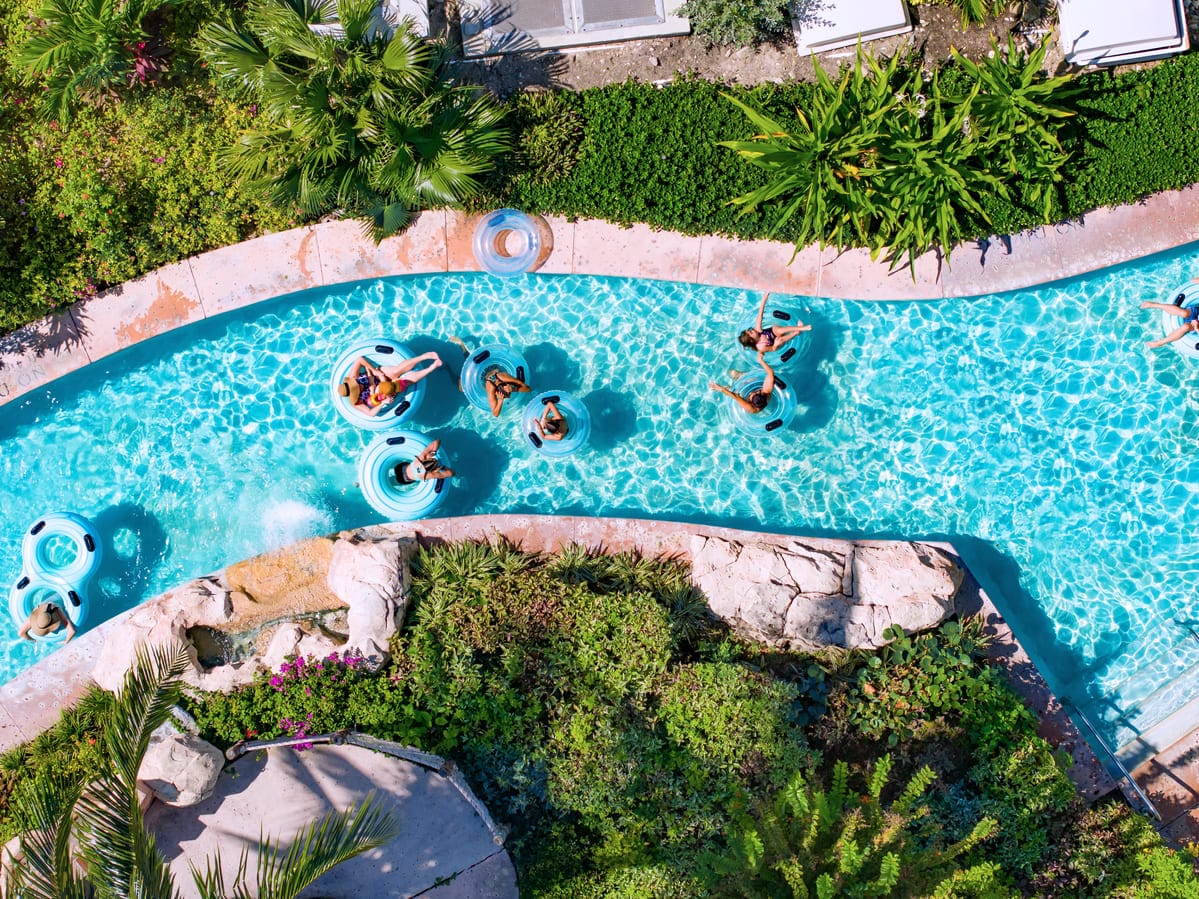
(82, 840)
(85, 49)
(352, 118)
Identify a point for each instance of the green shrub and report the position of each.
(121, 192)
(551, 134)
(649, 155)
(730, 720)
(1134, 135)
(743, 23)
(909, 687)
(1026, 790)
(305, 696)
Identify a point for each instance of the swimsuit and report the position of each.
(1192, 314)
(768, 333)
(364, 387)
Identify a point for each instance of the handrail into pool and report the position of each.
(1097, 740)
(440, 241)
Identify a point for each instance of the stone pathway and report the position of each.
(443, 851)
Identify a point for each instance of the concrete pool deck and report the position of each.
(336, 252)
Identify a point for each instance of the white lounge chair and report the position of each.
(821, 25)
(1094, 32)
(511, 26)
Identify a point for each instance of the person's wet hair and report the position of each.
(758, 399)
(555, 426)
(747, 339)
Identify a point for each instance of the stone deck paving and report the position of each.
(337, 252)
(320, 255)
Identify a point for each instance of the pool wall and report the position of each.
(34, 700)
(440, 241)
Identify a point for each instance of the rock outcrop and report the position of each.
(811, 593)
(265, 595)
(371, 577)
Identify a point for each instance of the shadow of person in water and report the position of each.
(135, 544)
(443, 399)
(551, 368)
(478, 465)
(613, 418)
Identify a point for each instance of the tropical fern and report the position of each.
(835, 843)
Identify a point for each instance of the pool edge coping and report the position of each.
(33, 701)
(439, 242)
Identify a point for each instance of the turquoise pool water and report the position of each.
(1031, 428)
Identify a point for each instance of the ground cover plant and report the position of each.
(637, 749)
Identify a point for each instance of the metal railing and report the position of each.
(1124, 772)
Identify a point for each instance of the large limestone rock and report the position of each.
(260, 593)
(811, 593)
(181, 769)
(371, 577)
(203, 602)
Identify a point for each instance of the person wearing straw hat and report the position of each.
(44, 620)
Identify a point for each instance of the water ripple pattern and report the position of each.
(1031, 428)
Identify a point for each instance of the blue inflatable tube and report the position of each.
(63, 546)
(483, 361)
(794, 350)
(1185, 296)
(507, 242)
(60, 553)
(779, 412)
(376, 475)
(578, 424)
(27, 594)
(383, 352)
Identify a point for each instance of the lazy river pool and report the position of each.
(1030, 428)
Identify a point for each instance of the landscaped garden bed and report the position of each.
(635, 747)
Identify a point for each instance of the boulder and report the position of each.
(181, 769)
(812, 593)
(371, 577)
(204, 601)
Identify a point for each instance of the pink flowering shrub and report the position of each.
(303, 697)
(119, 193)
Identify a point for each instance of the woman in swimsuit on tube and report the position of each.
(371, 388)
(1188, 321)
(757, 400)
(767, 340)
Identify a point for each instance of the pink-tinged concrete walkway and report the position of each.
(320, 255)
